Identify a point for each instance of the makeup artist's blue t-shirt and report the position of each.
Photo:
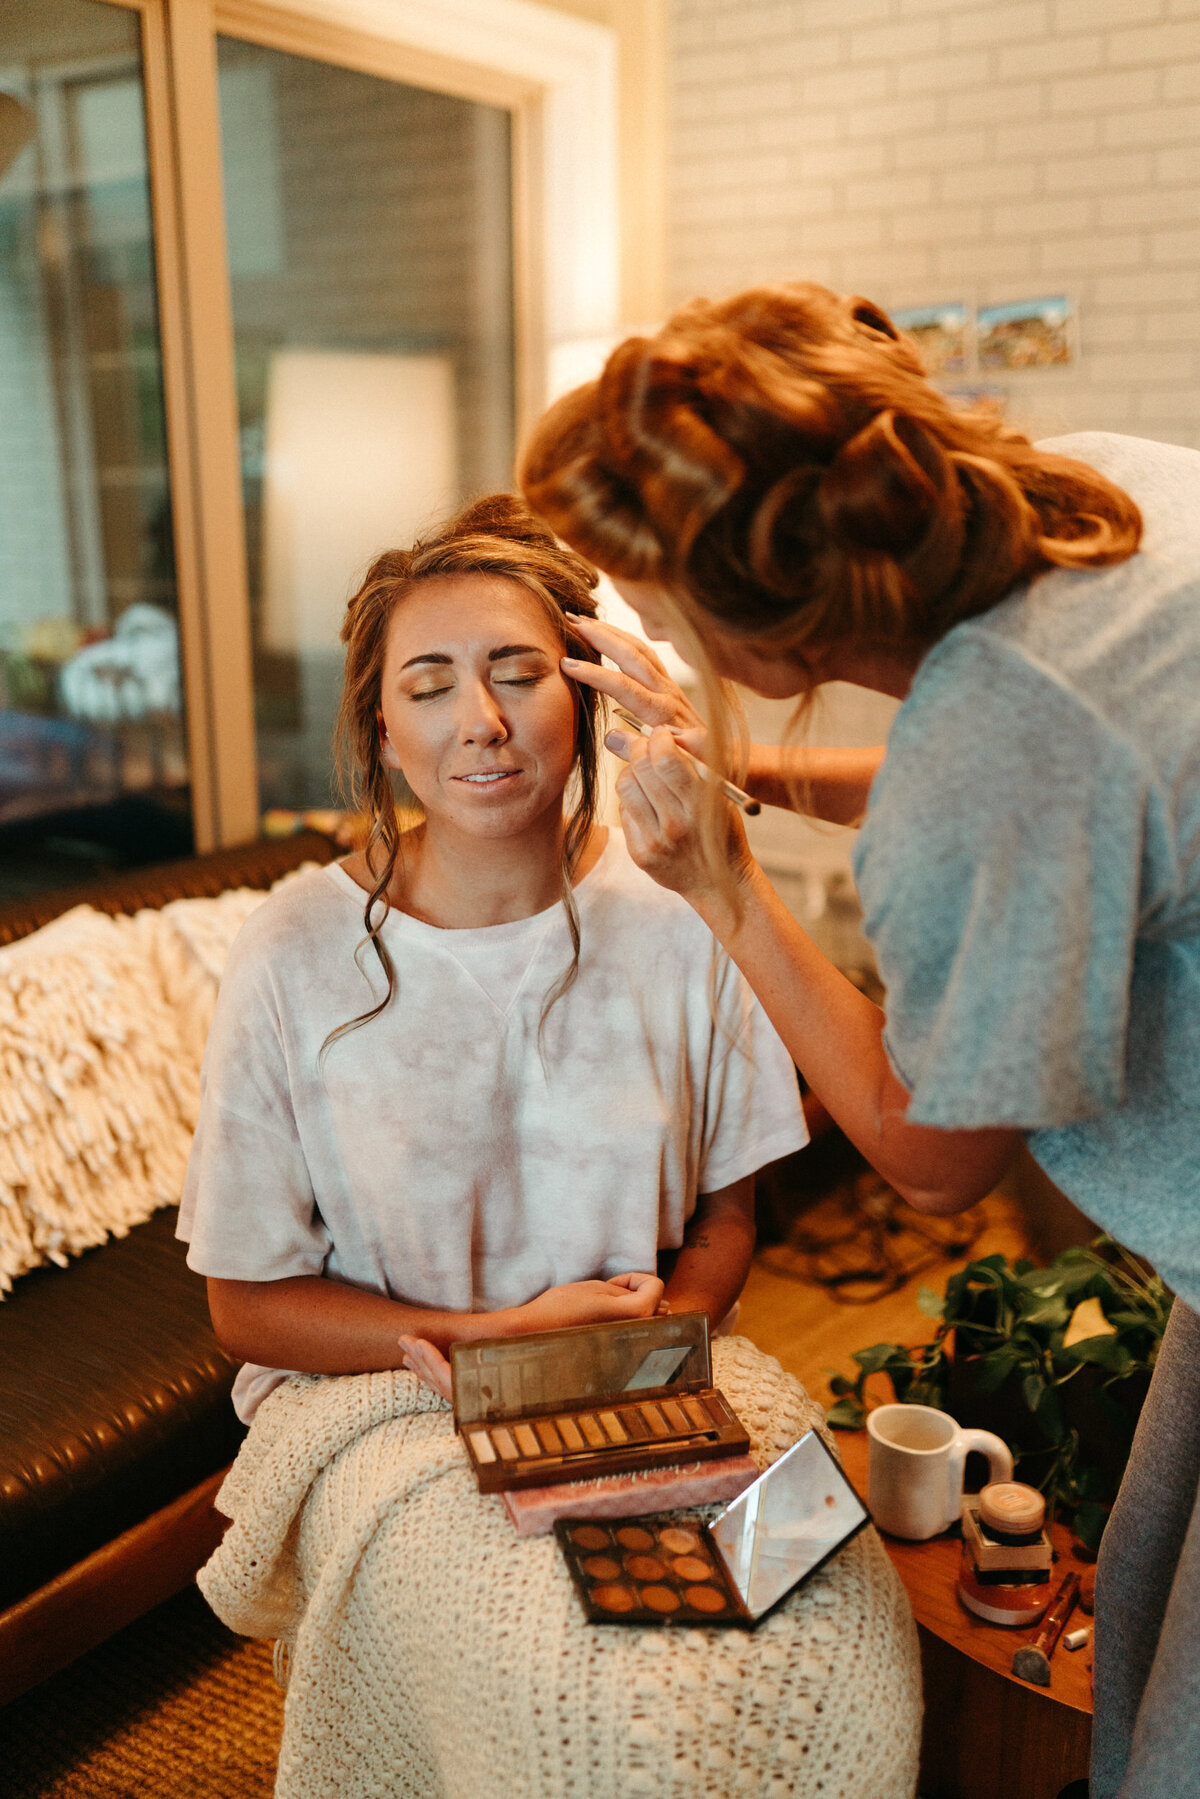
(1030, 871)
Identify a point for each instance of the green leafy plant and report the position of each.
(1000, 1359)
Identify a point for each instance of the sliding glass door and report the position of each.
(93, 768)
(369, 239)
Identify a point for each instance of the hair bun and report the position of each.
(876, 494)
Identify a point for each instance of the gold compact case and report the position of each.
(672, 1569)
(592, 1399)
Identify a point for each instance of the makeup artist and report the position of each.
(775, 486)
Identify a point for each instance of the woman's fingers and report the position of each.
(639, 682)
(661, 787)
(426, 1360)
(633, 654)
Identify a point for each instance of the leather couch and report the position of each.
(115, 1420)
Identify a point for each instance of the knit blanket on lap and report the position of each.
(436, 1655)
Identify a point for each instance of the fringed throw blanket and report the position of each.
(435, 1655)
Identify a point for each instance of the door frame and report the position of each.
(558, 76)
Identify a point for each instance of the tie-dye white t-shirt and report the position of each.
(439, 1154)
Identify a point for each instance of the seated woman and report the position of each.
(472, 1081)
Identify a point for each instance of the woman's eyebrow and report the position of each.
(515, 649)
(500, 655)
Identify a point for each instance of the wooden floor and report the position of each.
(813, 1330)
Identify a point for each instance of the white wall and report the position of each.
(921, 151)
(936, 150)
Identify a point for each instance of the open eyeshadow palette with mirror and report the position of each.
(597, 1399)
(671, 1569)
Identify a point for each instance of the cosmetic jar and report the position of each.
(1004, 1569)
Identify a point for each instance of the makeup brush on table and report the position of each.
(743, 801)
(1032, 1660)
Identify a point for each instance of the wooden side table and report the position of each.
(987, 1735)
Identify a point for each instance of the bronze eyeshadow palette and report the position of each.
(672, 1569)
(593, 1399)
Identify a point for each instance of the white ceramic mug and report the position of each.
(916, 1457)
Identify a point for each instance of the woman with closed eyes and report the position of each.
(478, 1077)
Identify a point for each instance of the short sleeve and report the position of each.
(1000, 874)
(248, 1210)
(752, 1110)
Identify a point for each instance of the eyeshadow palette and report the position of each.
(671, 1569)
(593, 1399)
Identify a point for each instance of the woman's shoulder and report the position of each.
(301, 912)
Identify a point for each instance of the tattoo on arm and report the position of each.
(698, 1239)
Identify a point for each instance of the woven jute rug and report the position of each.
(176, 1707)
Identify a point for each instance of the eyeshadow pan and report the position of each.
(615, 1429)
(660, 1599)
(614, 1599)
(705, 1599)
(504, 1443)
(678, 1541)
(593, 1432)
(548, 1437)
(655, 1420)
(526, 1441)
(692, 1567)
(648, 1567)
(602, 1567)
(635, 1425)
(698, 1412)
(481, 1443)
(590, 1536)
(676, 1416)
(570, 1433)
(633, 1536)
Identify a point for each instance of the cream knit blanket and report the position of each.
(436, 1655)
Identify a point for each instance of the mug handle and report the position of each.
(1000, 1463)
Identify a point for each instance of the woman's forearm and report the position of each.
(828, 783)
(711, 1266)
(320, 1326)
(835, 1036)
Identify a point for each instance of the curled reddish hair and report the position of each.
(779, 463)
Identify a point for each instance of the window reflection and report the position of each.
(93, 771)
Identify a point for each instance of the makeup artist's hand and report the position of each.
(661, 794)
(639, 682)
(426, 1359)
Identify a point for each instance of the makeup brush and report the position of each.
(1032, 1660)
(744, 801)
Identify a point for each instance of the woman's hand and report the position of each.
(661, 794)
(426, 1359)
(634, 1295)
(639, 683)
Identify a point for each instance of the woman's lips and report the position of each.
(488, 777)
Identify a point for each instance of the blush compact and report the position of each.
(592, 1399)
(672, 1569)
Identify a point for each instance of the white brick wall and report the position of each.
(983, 150)
(920, 151)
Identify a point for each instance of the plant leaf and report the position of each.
(1032, 1388)
(875, 1359)
(847, 1414)
(929, 1302)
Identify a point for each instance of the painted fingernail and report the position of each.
(616, 742)
(569, 662)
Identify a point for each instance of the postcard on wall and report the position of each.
(1027, 334)
(940, 334)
